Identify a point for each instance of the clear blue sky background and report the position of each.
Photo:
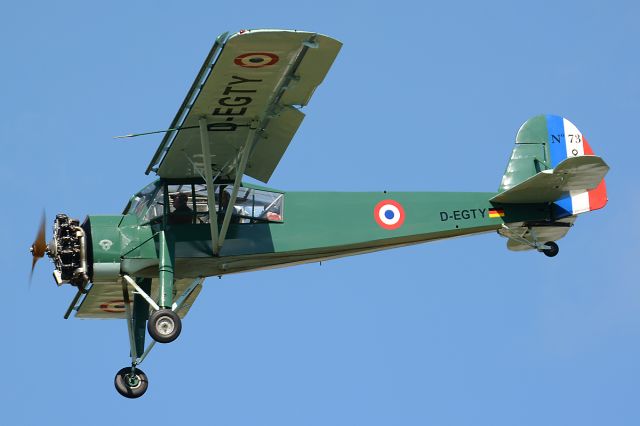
(422, 97)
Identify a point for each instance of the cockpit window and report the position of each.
(254, 204)
(251, 205)
(156, 207)
(181, 204)
(188, 204)
(139, 203)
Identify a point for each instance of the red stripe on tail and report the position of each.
(597, 196)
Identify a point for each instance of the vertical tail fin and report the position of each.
(542, 143)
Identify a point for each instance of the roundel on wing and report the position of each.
(389, 214)
(113, 306)
(256, 59)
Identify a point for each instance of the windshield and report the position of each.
(140, 202)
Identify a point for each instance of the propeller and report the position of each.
(39, 246)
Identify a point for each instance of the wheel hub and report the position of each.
(133, 381)
(166, 326)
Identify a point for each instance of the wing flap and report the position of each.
(573, 174)
(273, 143)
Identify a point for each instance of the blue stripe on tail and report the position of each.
(557, 143)
(558, 151)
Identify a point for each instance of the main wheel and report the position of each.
(552, 250)
(131, 385)
(164, 326)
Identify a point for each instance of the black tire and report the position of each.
(131, 386)
(552, 250)
(164, 326)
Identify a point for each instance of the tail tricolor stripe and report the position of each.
(566, 141)
(597, 196)
(557, 145)
(552, 171)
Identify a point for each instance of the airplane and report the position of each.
(200, 219)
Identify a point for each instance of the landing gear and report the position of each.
(552, 250)
(164, 326)
(524, 237)
(131, 382)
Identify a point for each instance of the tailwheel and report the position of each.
(131, 382)
(552, 250)
(164, 326)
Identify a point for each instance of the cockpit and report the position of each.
(186, 203)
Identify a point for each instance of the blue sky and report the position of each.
(422, 97)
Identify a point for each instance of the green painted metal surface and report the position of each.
(137, 241)
(530, 154)
(140, 315)
(166, 257)
(106, 244)
(316, 226)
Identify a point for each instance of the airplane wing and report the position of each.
(253, 80)
(105, 300)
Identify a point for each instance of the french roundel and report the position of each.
(113, 306)
(389, 214)
(256, 59)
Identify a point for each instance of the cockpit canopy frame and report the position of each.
(187, 202)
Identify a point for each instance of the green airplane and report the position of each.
(199, 219)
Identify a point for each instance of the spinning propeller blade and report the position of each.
(39, 246)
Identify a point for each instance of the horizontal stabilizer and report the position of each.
(573, 174)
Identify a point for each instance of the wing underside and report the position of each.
(105, 299)
(249, 91)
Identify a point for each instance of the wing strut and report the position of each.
(128, 310)
(218, 239)
(211, 198)
(248, 146)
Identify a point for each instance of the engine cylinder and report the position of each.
(68, 251)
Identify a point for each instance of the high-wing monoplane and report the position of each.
(200, 219)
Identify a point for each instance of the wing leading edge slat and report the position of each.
(197, 84)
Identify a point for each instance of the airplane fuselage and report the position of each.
(316, 226)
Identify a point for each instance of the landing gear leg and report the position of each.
(131, 382)
(164, 325)
(140, 316)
